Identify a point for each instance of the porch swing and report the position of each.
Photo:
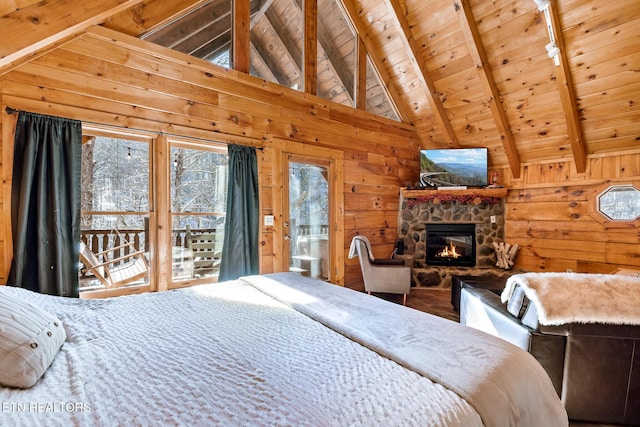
(112, 267)
(120, 264)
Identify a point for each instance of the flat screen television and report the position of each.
(454, 167)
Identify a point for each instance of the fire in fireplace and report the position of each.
(451, 244)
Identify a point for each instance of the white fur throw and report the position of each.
(580, 298)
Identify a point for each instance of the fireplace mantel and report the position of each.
(498, 192)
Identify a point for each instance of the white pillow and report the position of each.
(30, 338)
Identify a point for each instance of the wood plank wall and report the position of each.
(109, 78)
(106, 77)
(551, 214)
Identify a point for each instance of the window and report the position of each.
(336, 54)
(115, 206)
(203, 32)
(618, 205)
(198, 205)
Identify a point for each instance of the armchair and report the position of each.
(388, 276)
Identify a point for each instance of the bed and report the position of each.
(274, 350)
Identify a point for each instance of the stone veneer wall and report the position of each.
(415, 214)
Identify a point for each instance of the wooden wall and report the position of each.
(109, 78)
(551, 214)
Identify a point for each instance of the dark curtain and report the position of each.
(240, 249)
(45, 204)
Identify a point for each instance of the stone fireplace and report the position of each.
(470, 220)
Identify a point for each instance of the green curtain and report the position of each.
(45, 204)
(240, 249)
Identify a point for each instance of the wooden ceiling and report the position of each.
(465, 73)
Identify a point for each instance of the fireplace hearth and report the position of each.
(451, 245)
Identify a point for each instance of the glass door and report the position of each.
(307, 216)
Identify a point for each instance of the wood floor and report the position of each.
(438, 302)
(433, 301)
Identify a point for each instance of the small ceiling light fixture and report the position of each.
(128, 153)
(175, 161)
(552, 49)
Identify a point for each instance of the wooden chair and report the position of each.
(207, 251)
(112, 268)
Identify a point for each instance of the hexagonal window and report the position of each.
(620, 203)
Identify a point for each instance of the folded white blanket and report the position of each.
(506, 385)
(562, 298)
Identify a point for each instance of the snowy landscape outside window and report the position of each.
(115, 202)
(198, 205)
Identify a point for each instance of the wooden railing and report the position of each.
(99, 240)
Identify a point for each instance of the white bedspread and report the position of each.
(506, 385)
(227, 354)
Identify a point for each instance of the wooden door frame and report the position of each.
(335, 158)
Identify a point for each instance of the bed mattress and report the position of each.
(223, 354)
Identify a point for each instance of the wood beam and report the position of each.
(360, 78)
(241, 35)
(44, 23)
(493, 98)
(413, 50)
(337, 64)
(310, 56)
(567, 96)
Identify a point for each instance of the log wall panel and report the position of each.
(550, 213)
(116, 80)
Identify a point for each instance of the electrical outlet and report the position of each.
(493, 219)
(269, 220)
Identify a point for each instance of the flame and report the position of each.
(449, 252)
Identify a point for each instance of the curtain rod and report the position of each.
(11, 110)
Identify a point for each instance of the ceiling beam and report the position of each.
(310, 43)
(241, 35)
(42, 24)
(418, 63)
(567, 96)
(493, 98)
(360, 78)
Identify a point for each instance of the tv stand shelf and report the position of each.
(497, 192)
